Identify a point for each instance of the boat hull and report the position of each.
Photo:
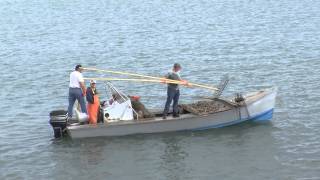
(259, 109)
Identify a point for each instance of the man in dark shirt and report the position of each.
(173, 91)
(93, 102)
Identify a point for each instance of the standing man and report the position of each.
(173, 91)
(77, 90)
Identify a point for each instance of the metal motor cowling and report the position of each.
(58, 121)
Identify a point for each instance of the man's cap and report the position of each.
(93, 82)
(177, 65)
(78, 67)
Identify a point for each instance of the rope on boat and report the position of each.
(149, 79)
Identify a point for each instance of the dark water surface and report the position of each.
(258, 42)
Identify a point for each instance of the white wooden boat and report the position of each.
(256, 106)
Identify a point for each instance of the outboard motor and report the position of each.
(58, 121)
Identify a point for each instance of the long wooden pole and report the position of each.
(121, 73)
(145, 80)
(127, 79)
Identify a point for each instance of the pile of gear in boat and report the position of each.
(212, 106)
(205, 107)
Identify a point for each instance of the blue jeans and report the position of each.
(172, 94)
(76, 94)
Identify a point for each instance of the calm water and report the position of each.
(258, 42)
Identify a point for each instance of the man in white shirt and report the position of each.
(77, 90)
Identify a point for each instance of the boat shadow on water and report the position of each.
(169, 153)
